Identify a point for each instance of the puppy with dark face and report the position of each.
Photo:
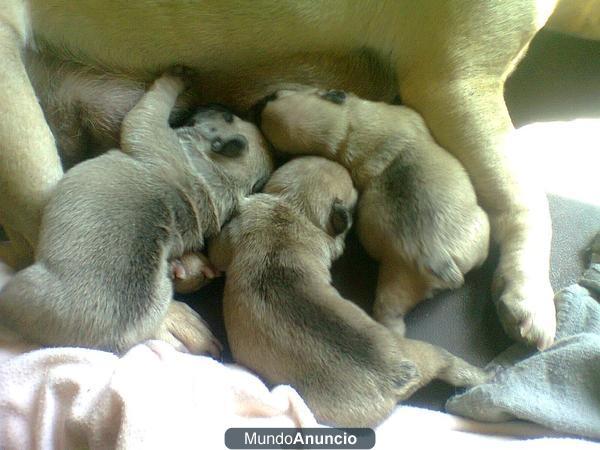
(103, 271)
(286, 321)
(417, 214)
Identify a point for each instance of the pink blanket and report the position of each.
(157, 397)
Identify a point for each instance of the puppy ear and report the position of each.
(231, 147)
(256, 111)
(340, 217)
(260, 184)
(335, 96)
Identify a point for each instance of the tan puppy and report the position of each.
(418, 213)
(448, 59)
(284, 319)
(102, 275)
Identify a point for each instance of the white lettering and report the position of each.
(250, 440)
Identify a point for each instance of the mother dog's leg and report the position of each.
(29, 163)
(459, 91)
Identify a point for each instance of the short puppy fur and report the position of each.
(286, 321)
(448, 60)
(417, 214)
(102, 277)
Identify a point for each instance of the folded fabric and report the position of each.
(152, 397)
(155, 397)
(558, 388)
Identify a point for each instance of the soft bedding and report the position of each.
(157, 397)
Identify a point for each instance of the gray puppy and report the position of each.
(286, 321)
(102, 276)
(417, 214)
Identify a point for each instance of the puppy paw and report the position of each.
(527, 311)
(171, 84)
(185, 75)
(179, 70)
(191, 272)
(475, 376)
(462, 374)
(186, 331)
(444, 269)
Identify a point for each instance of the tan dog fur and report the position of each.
(287, 322)
(417, 214)
(449, 59)
(114, 224)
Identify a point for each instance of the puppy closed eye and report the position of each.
(340, 218)
(334, 96)
(231, 147)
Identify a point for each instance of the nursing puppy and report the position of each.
(449, 60)
(418, 213)
(286, 321)
(102, 276)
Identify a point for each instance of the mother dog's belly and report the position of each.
(241, 50)
(143, 35)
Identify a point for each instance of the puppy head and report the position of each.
(215, 134)
(320, 189)
(307, 121)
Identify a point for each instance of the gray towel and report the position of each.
(558, 388)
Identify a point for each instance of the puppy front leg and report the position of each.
(434, 362)
(469, 118)
(145, 132)
(29, 162)
(399, 289)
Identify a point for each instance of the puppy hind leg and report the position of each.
(399, 289)
(433, 362)
(445, 269)
(457, 372)
(469, 118)
(29, 304)
(185, 330)
(145, 131)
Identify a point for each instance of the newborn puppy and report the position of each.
(286, 321)
(417, 214)
(103, 275)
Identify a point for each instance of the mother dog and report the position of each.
(448, 59)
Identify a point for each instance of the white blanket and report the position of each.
(157, 397)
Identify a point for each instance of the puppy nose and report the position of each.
(233, 146)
